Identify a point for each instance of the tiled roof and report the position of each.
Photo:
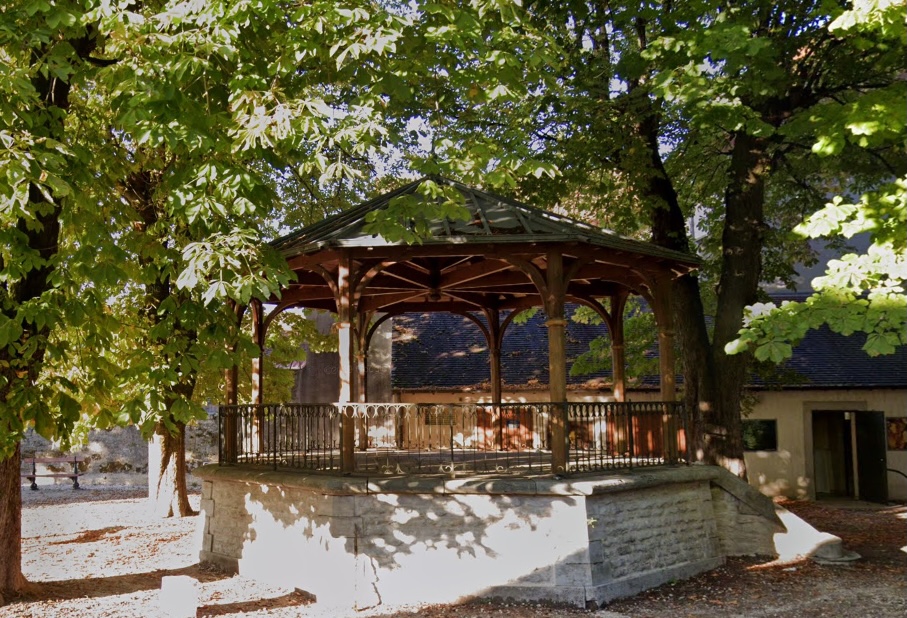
(445, 351)
(825, 359)
(442, 350)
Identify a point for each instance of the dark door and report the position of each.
(832, 454)
(872, 457)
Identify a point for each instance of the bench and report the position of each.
(34, 461)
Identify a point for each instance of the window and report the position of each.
(761, 435)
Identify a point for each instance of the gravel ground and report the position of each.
(97, 553)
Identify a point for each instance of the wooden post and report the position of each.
(231, 378)
(228, 420)
(618, 357)
(347, 352)
(258, 336)
(228, 429)
(664, 315)
(360, 394)
(362, 343)
(494, 348)
(557, 359)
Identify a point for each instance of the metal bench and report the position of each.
(34, 474)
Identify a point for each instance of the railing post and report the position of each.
(275, 439)
(227, 434)
(684, 414)
(631, 445)
(347, 437)
(221, 438)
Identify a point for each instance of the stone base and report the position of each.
(634, 584)
(590, 539)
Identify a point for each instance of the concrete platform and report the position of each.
(586, 540)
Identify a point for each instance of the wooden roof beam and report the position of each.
(406, 271)
(472, 272)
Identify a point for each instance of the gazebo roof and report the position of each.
(486, 262)
(492, 220)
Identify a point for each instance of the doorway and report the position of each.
(849, 455)
(833, 454)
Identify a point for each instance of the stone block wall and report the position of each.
(363, 542)
(114, 455)
(646, 537)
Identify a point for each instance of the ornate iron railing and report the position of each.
(402, 438)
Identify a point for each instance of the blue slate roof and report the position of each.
(442, 350)
(445, 351)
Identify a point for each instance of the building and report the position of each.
(832, 421)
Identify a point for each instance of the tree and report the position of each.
(859, 293)
(639, 324)
(155, 126)
(663, 110)
(36, 95)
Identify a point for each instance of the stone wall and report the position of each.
(643, 538)
(120, 455)
(429, 539)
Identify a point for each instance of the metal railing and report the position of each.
(413, 438)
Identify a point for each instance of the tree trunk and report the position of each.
(44, 239)
(167, 489)
(43, 233)
(12, 583)
(741, 270)
(669, 230)
(699, 391)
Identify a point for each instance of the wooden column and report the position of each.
(231, 381)
(494, 348)
(362, 358)
(228, 421)
(257, 437)
(557, 359)
(618, 357)
(664, 316)
(258, 336)
(495, 431)
(361, 333)
(347, 353)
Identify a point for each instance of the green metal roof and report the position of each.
(492, 220)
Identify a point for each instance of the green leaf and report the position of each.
(10, 331)
(775, 351)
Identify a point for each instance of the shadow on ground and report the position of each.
(116, 585)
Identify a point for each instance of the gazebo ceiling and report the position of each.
(487, 261)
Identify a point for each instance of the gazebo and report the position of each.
(299, 511)
(503, 258)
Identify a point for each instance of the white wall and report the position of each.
(789, 470)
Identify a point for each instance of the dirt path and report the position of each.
(97, 553)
